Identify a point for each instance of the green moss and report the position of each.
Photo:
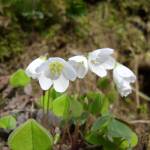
(124, 22)
(75, 8)
(10, 44)
(117, 22)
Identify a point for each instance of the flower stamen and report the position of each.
(56, 68)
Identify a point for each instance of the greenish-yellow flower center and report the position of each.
(56, 68)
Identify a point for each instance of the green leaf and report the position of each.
(101, 123)
(104, 105)
(95, 102)
(76, 108)
(114, 131)
(60, 106)
(96, 139)
(118, 129)
(99, 104)
(103, 83)
(112, 95)
(134, 140)
(8, 122)
(19, 79)
(83, 118)
(93, 138)
(30, 136)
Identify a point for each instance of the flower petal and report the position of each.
(122, 77)
(80, 65)
(101, 52)
(106, 51)
(45, 66)
(125, 89)
(45, 82)
(61, 84)
(98, 70)
(82, 71)
(110, 63)
(31, 69)
(125, 72)
(69, 72)
(78, 58)
(42, 67)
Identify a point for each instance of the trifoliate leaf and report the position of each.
(30, 136)
(8, 122)
(60, 106)
(19, 79)
(76, 108)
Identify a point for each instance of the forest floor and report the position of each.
(62, 41)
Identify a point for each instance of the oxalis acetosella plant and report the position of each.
(81, 121)
(57, 72)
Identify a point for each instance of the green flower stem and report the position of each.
(48, 102)
(43, 98)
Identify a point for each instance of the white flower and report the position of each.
(57, 72)
(80, 65)
(123, 76)
(31, 69)
(100, 61)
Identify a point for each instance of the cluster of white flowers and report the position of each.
(57, 72)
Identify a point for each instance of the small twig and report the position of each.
(137, 82)
(89, 147)
(142, 95)
(140, 121)
(15, 111)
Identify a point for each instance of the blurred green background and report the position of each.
(120, 24)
